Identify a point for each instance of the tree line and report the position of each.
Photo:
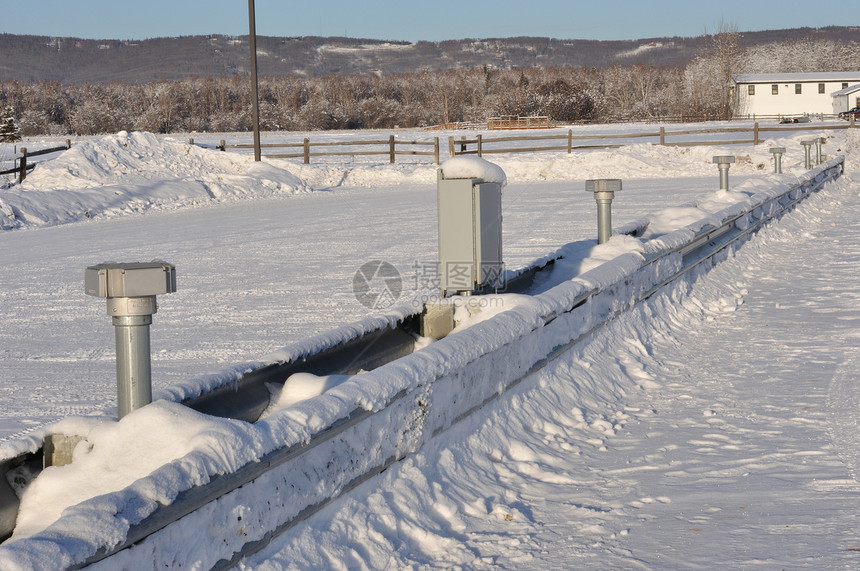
(301, 103)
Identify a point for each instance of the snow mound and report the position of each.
(105, 462)
(300, 387)
(134, 172)
(132, 159)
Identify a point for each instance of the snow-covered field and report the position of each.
(265, 253)
(712, 425)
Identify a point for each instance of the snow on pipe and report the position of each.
(563, 320)
(130, 290)
(604, 191)
(724, 162)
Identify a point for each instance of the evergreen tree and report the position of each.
(10, 132)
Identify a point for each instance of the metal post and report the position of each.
(818, 156)
(604, 191)
(724, 162)
(133, 365)
(777, 158)
(130, 290)
(807, 146)
(254, 92)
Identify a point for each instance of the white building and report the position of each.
(846, 99)
(792, 94)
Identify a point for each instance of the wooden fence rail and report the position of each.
(514, 122)
(477, 144)
(391, 143)
(566, 142)
(23, 167)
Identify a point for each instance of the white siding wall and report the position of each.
(787, 101)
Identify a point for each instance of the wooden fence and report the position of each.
(481, 145)
(457, 125)
(24, 166)
(391, 148)
(478, 144)
(516, 122)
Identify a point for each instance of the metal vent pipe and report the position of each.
(777, 158)
(604, 191)
(724, 162)
(130, 291)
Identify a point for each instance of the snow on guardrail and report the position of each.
(245, 483)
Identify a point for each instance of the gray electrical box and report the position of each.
(470, 233)
(136, 279)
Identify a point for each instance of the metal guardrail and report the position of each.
(662, 266)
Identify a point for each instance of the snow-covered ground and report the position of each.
(265, 253)
(712, 427)
(707, 426)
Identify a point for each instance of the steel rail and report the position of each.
(384, 346)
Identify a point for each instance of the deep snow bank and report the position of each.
(134, 172)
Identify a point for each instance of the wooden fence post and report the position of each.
(22, 174)
(464, 141)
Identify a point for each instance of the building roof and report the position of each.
(847, 91)
(852, 76)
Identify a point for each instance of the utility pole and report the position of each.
(254, 94)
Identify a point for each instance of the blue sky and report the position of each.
(412, 21)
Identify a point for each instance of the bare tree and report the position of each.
(727, 53)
